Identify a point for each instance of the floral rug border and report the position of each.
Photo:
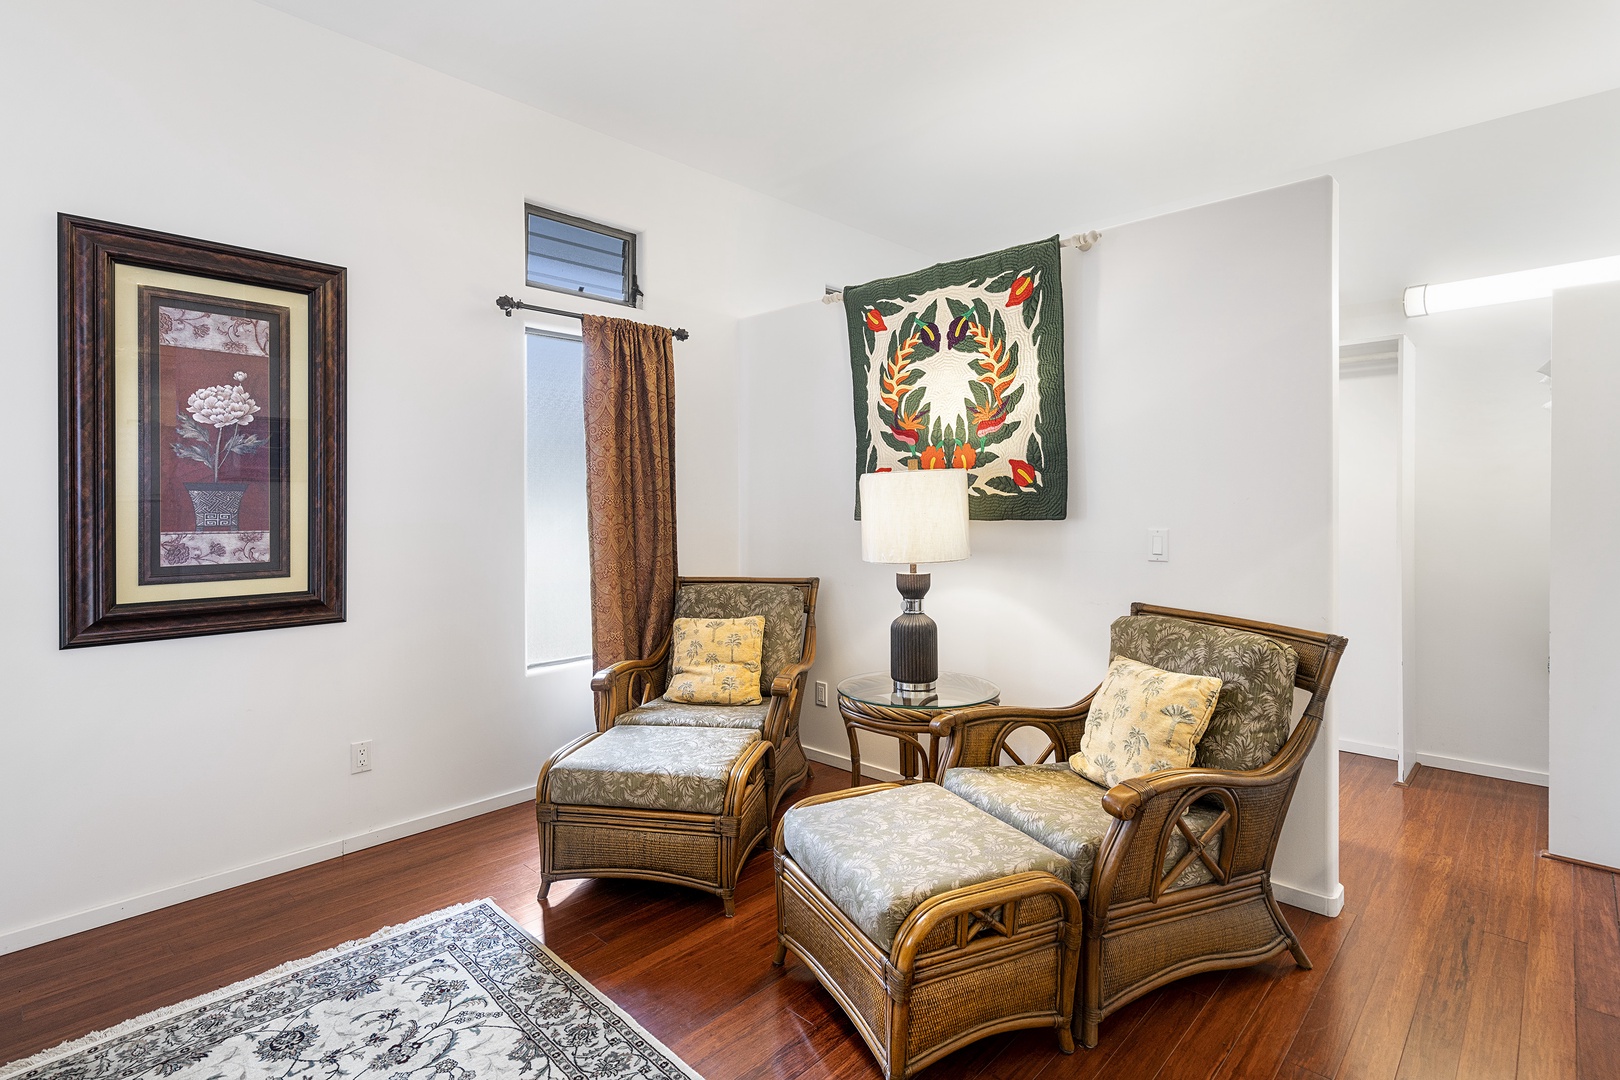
(151, 1020)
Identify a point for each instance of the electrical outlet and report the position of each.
(821, 694)
(360, 756)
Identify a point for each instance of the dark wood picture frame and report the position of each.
(89, 253)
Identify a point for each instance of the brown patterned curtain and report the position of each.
(630, 485)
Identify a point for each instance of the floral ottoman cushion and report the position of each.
(652, 768)
(878, 856)
(1063, 810)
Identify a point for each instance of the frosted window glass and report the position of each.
(578, 256)
(557, 552)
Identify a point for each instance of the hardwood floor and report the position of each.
(1459, 954)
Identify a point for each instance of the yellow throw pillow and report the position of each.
(1143, 720)
(716, 661)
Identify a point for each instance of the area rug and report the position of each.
(460, 994)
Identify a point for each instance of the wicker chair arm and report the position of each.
(783, 698)
(789, 678)
(745, 766)
(1126, 799)
(973, 737)
(622, 686)
(1148, 811)
(788, 686)
(623, 669)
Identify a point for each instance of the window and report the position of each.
(572, 255)
(556, 549)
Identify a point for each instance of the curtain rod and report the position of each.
(1083, 241)
(510, 304)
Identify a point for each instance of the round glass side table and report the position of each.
(870, 702)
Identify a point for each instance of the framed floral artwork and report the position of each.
(202, 439)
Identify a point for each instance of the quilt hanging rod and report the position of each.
(1082, 241)
(510, 304)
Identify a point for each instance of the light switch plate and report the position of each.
(821, 693)
(1158, 545)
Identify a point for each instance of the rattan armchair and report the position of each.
(1145, 925)
(630, 691)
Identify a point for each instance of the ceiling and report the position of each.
(951, 126)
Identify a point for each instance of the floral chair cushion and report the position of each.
(1064, 811)
(878, 856)
(781, 605)
(661, 713)
(1252, 715)
(653, 768)
(716, 661)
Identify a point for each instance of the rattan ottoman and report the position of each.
(932, 923)
(683, 805)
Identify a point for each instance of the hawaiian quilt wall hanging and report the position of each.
(960, 366)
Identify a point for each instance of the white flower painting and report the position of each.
(217, 407)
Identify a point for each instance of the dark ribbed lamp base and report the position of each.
(913, 640)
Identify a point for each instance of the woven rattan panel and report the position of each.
(976, 743)
(756, 813)
(790, 761)
(1140, 953)
(594, 847)
(838, 959)
(942, 936)
(1256, 806)
(942, 1009)
(1033, 910)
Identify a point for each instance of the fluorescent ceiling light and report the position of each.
(1506, 288)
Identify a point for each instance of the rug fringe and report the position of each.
(157, 1016)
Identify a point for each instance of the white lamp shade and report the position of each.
(914, 516)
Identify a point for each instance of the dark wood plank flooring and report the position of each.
(1460, 953)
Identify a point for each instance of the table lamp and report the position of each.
(914, 517)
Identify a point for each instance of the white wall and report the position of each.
(123, 785)
(1529, 190)
(1367, 691)
(1201, 372)
(1534, 189)
(1585, 716)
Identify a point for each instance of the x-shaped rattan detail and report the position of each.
(988, 921)
(1051, 753)
(1196, 849)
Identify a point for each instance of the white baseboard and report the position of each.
(1367, 749)
(1310, 901)
(1482, 768)
(13, 940)
(433, 821)
(841, 761)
